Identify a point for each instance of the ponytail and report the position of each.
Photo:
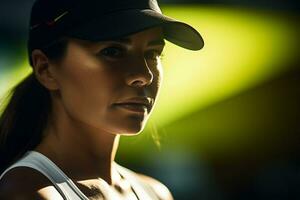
(23, 120)
(26, 114)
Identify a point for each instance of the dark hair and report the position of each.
(26, 113)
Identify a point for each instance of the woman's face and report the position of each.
(112, 85)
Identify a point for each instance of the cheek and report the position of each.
(87, 91)
(158, 77)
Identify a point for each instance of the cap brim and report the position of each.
(127, 22)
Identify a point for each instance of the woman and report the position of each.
(96, 75)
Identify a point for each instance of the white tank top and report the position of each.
(66, 187)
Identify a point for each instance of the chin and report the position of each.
(130, 131)
(132, 127)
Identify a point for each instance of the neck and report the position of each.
(81, 151)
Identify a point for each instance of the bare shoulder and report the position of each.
(26, 183)
(159, 188)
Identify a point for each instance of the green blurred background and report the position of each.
(226, 125)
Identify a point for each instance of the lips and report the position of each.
(133, 107)
(136, 104)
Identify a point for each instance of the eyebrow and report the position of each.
(155, 42)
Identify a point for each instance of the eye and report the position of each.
(153, 54)
(113, 52)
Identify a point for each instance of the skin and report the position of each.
(82, 135)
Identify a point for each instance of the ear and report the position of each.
(43, 70)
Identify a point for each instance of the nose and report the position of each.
(139, 74)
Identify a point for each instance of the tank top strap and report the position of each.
(67, 188)
(60, 181)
